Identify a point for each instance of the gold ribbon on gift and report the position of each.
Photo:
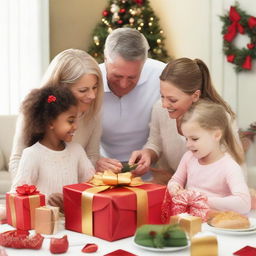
(109, 180)
(12, 209)
(34, 202)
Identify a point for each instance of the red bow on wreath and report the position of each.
(26, 190)
(234, 26)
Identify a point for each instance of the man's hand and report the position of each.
(104, 164)
(143, 159)
(56, 199)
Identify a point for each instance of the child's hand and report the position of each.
(174, 188)
(56, 199)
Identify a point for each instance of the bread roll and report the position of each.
(229, 220)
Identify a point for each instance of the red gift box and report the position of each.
(20, 209)
(114, 211)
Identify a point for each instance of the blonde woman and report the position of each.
(78, 71)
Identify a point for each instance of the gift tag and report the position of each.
(246, 251)
(120, 252)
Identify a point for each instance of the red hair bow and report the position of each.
(51, 99)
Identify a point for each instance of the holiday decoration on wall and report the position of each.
(237, 22)
(132, 14)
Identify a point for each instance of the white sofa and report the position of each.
(7, 129)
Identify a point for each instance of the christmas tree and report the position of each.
(133, 14)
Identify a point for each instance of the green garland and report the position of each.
(238, 21)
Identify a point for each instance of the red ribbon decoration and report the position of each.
(252, 22)
(26, 189)
(247, 63)
(234, 26)
(231, 58)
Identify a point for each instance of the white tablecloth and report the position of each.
(227, 244)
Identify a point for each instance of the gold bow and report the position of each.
(114, 179)
(108, 180)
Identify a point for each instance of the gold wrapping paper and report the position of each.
(46, 220)
(190, 224)
(204, 246)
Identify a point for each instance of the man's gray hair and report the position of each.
(127, 43)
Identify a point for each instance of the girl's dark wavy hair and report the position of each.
(38, 112)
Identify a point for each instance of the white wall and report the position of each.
(193, 29)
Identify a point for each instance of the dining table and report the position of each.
(228, 243)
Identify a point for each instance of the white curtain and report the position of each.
(24, 49)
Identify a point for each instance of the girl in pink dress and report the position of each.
(212, 163)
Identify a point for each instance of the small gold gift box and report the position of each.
(204, 245)
(190, 224)
(46, 220)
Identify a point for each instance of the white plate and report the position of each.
(165, 249)
(244, 231)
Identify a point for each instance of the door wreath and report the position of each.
(238, 21)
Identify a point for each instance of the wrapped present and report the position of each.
(253, 198)
(46, 220)
(204, 244)
(192, 202)
(190, 224)
(109, 212)
(20, 206)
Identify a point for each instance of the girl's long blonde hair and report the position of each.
(68, 67)
(212, 116)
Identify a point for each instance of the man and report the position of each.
(131, 87)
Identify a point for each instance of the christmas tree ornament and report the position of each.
(159, 41)
(122, 11)
(114, 8)
(133, 12)
(96, 40)
(105, 13)
(115, 17)
(236, 21)
(131, 20)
